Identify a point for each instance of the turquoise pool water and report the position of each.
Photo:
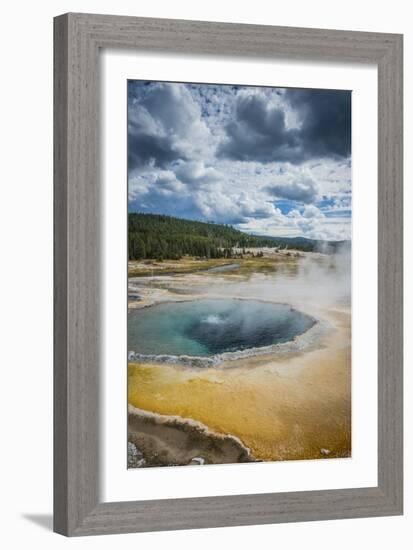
(208, 327)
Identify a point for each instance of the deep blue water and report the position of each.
(207, 327)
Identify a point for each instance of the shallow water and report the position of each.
(208, 327)
(223, 268)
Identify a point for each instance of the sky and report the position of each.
(268, 161)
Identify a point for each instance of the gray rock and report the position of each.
(135, 457)
(197, 461)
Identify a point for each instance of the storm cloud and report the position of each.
(326, 128)
(259, 131)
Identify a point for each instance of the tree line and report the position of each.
(153, 236)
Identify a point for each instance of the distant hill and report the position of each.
(156, 236)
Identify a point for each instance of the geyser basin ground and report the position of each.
(290, 401)
(203, 328)
(281, 406)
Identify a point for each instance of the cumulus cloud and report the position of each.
(163, 182)
(268, 161)
(259, 129)
(195, 172)
(164, 125)
(311, 211)
(304, 190)
(259, 132)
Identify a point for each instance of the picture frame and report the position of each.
(78, 39)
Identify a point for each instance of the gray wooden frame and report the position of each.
(78, 39)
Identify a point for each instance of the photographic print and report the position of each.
(239, 274)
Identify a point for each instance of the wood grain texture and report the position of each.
(78, 38)
(60, 277)
(390, 272)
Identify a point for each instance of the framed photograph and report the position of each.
(228, 274)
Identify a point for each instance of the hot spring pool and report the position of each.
(203, 328)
